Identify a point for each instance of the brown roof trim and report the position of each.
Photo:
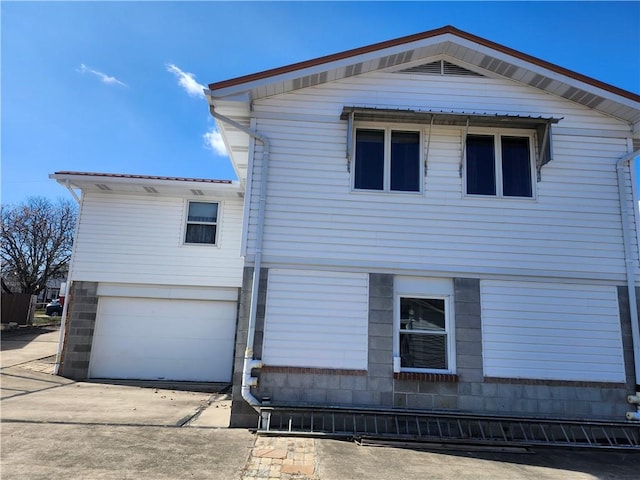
(422, 36)
(144, 177)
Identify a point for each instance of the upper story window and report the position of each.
(387, 160)
(202, 223)
(499, 164)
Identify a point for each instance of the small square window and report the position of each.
(387, 160)
(202, 223)
(499, 165)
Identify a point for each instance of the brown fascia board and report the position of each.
(422, 36)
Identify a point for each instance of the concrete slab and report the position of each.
(93, 403)
(342, 460)
(17, 349)
(215, 415)
(17, 381)
(63, 452)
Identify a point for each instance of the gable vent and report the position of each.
(395, 59)
(197, 192)
(150, 190)
(102, 187)
(310, 80)
(441, 67)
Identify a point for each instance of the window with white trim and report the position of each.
(499, 164)
(202, 223)
(423, 333)
(388, 159)
(424, 325)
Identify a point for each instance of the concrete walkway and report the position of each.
(58, 429)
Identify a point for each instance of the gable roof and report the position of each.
(414, 38)
(463, 51)
(469, 49)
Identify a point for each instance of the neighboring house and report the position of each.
(438, 224)
(154, 278)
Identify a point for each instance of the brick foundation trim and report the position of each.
(553, 383)
(313, 371)
(426, 377)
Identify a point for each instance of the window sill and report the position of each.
(426, 377)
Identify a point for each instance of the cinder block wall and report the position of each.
(81, 320)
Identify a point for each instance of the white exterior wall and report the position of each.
(551, 331)
(571, 229)
(140, 240)
(316, 319)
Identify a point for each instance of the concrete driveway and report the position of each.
(55, 428)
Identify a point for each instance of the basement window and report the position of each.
(387, 160)
(424, 325)
(202, 223)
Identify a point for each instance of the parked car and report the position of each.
(54, 308)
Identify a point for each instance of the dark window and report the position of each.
(481, 165)
(202, 220)
(423, 333)
(504, 170)
(369, 168)
(516, 167)
(405, 161)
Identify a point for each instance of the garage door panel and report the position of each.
(163, 339)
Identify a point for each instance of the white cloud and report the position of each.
(187, 81)
(213, 140)
(102, 76)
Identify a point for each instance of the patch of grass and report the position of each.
(41, 318)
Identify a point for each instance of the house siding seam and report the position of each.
(81, 320)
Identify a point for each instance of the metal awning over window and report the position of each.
(542, 125)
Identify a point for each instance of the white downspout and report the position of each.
(626, 214)
(249, 362)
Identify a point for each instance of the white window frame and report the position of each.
(425, 288)
(186, 222)
(497, 145)
(387, 129)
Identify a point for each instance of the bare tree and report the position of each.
(37, 236)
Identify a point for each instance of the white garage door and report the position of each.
(162, 339)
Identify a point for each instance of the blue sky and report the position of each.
(113, 86)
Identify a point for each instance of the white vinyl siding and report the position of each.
(140, 240)
(316, 319)
(571, 229)
(551, 331)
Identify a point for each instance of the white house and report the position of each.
(154, 278)
(439, 222)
